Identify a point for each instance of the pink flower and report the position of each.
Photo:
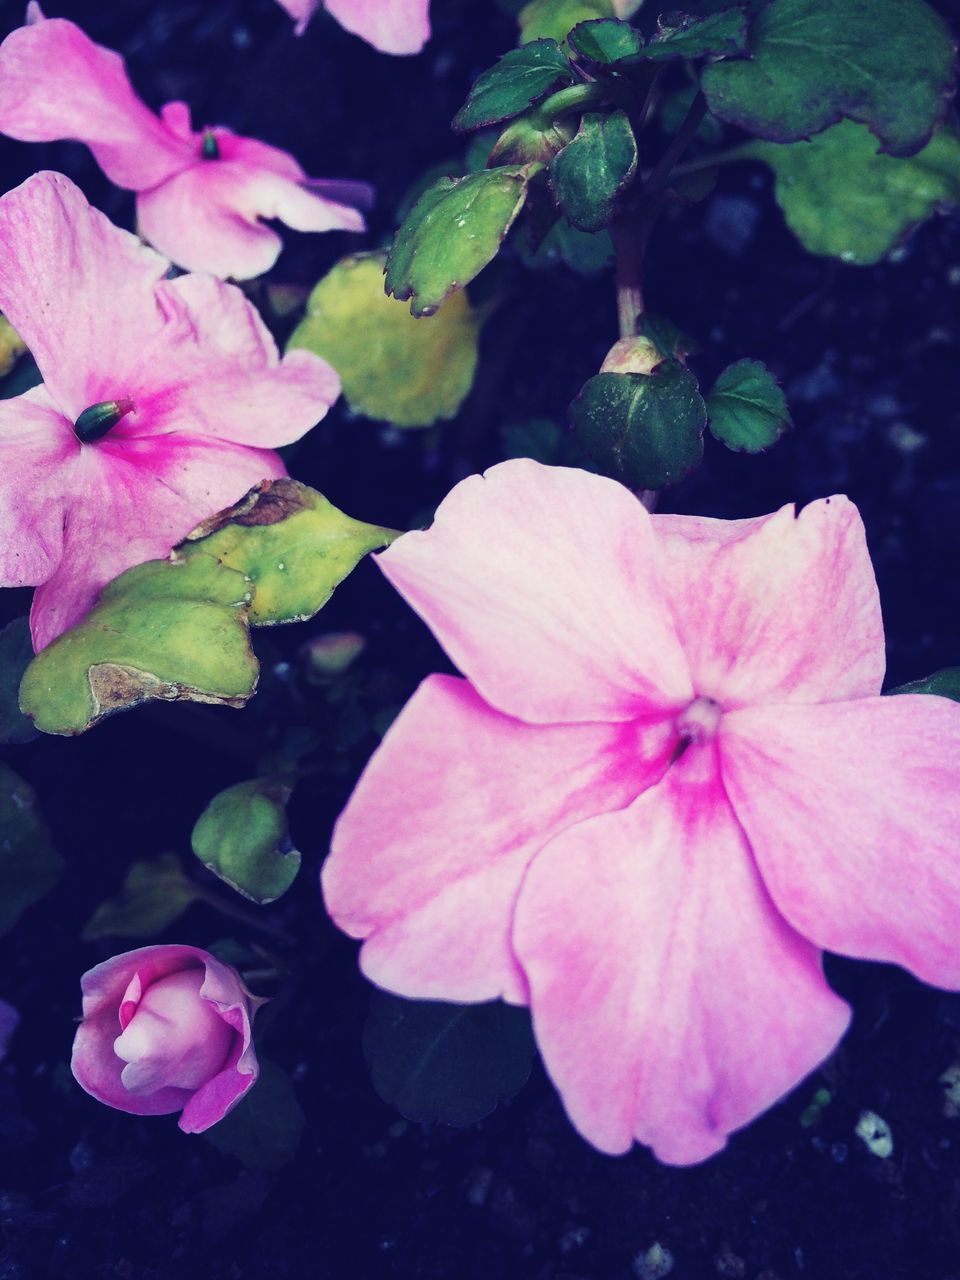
(9, 1021)
(666, 784)
(166, 1029)
(200, 196)
(392, 26)
(158, 398)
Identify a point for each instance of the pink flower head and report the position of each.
(166, 1029)
(158, 399)
(392, 26)
(666, 784)
(200, 196)
(9, 1021)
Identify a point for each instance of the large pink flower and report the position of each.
(392, 26)
(200, 196)
(665, 785)
(158, 404)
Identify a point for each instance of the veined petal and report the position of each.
(671, 1002)
(541, 584)
(428, 855)
(853, 813)
(780, 609)
(39, 452)
(56, 83)
(392, 26)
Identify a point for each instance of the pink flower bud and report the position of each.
(166, 1029)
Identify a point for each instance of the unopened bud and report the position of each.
(95, 421)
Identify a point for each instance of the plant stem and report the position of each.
(234, 911)
(742, 151)
(660, 174)
(577, 97)
(630, 235)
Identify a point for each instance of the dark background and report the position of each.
(869, 358)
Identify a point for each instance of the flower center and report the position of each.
(209, 147)
(96, 420)
(698, 722)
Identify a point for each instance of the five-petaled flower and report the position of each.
(666, 784)
(200, 196)
(392, 26)
(160, 404)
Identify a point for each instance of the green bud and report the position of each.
(95, 421)
(210, 148)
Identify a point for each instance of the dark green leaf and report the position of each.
(154, 894)
(643, 429)
(16, 654)
(670, 341)
(612, 43)
(538, 438)
(264, 1129)
(586, 252)
(591, 171)
(606, 41)
(242, 837)
(887, 63)
(945, 684)
(29, 864)
(451, 234)
(521, 77)
(747, 408)
(446, 1062)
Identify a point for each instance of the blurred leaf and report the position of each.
(393, 367)
(242, 837)
(264, 1129)
(674, 108)
(29, 864)
(555, 19)
(888, 64)
(945, 684)
(591, 171)
(844, 198)
(670, 341)
(747, 408)
(586, 252)
(452, 232)
(12, 346)
(16, 654)
(537, 438)
(643, 429)
(613, 43)
(520, 78)
(168, 629)
(291, 543)
(154, 894)
(446, 1062)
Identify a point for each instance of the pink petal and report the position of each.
(39, 455)
(779, 609)
(853, 812)
(540, 583)
(220, 1094)
(56, 83)
(392, 26)
(671, 1002)
(302, 11)
(133, 500)
(429, 852)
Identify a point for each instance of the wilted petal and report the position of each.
(392, 26)
(780, 609)
(671, 1002)
(541, 584)
(39, 453)
(853, 813)
(429, 853)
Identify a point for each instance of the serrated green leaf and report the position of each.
(291, 543)
(747, 408)
(611, 43)
(16, 654)
(450, 1063)
(555, 19)
(168, 629)
(944, 684)
(843, 198)
(153, 895)
(591, 171)
(242, 838)
(264, 1129)
(29, 864)
(521, 77)
(452, 232)
(643, 429)
(393, 367)
(606, 41)
(888, 64)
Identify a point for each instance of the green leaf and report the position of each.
(264, 1129)
(843, 198)
(29, 864)
(16, 654)
(154, 894)
(747, 408)
(945, 684)
(616, 44)
(643, 429)
(555, 19)
(888, 64)
(12, 346)
(586, 252)
(606, 41)
(291, 543)
(671, 342)
(451, 1063)
(452, 232)
(242, 837)
(537, 438)
(168, 629)
(591, 171)
(393, 367)
(521, 77)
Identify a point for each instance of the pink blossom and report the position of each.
(181, 378)
(9, 1021)
(200, 195)
(392, 26)
(166, 1029)
(666, 784)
